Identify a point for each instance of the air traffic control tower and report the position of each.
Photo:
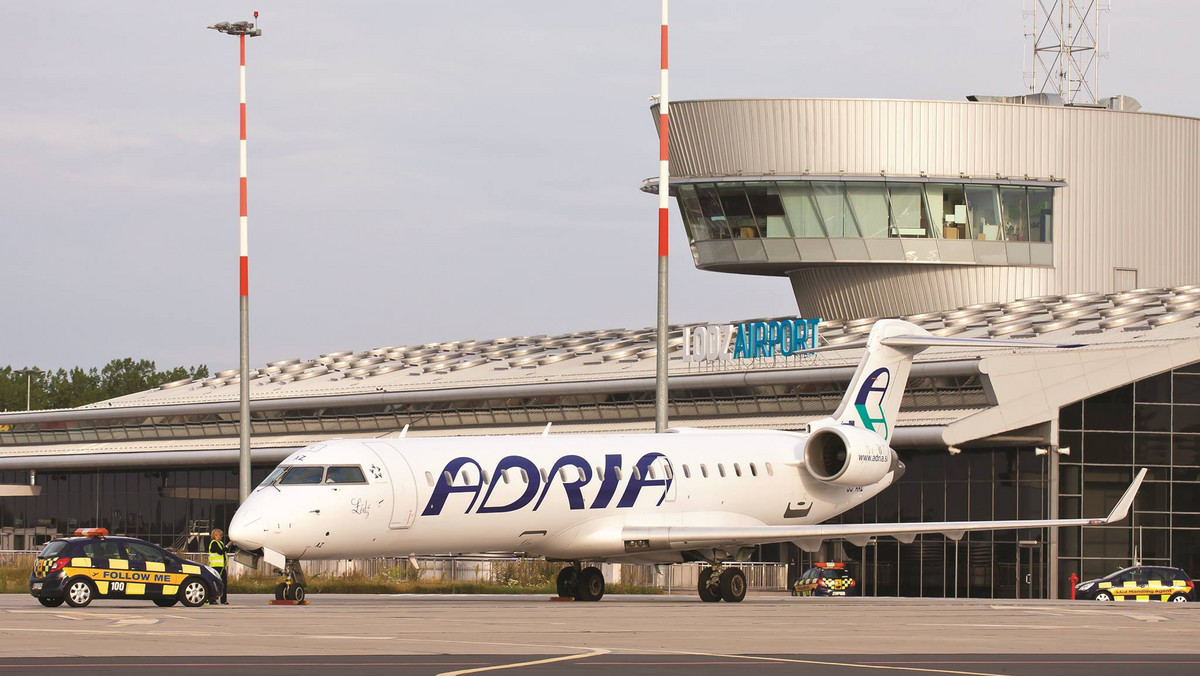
(877, 208)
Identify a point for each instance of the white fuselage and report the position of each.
(565, 496)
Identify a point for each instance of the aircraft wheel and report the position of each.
(80, 592)
(733, 585)
(281, 591)
(566, 582)
(709, 592)
(1103, 596)
(50, 601)
(590, 586)
(298, 593)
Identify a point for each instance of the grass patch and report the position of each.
(14, 580)
(520, 577)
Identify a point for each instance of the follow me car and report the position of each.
(93, 565)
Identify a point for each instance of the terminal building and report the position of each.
(1010, 218)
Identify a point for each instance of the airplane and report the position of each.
(691, 495)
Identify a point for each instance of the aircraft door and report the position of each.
(403, 485)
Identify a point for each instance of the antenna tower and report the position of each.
(1067, 49)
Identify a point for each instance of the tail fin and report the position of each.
(873, 399)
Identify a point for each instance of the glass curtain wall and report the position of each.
(1153, 423)
(750, 210)
(152, 505)
(978, 484)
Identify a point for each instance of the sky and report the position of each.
(424, 171)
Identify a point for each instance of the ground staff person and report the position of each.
(217, 558)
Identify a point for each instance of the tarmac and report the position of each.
(416, 634)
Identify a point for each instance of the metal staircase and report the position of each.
(196, 530)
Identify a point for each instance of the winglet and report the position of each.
(1121, 510)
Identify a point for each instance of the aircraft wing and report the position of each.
(809, 537)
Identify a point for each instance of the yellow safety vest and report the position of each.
(216, 554)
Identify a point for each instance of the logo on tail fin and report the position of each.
(872, 413)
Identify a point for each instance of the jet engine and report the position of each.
(847, 456)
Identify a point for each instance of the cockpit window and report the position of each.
(273, 476)
(345, 475)
(302, 475)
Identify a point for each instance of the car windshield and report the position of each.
(52, 549)
(302, 475)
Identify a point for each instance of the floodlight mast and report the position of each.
(243, 29)
(664, 210)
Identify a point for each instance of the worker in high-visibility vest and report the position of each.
(217, 558)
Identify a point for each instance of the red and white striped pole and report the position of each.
(243, 29)
(243, 288)
(664, 210)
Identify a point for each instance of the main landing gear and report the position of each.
(581, 584)
(718, 583)
(291, 587)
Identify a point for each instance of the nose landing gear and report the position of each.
(581, 584)
(290, 590)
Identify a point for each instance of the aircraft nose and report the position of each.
(242, 530)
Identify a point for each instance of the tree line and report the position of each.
(78, 386)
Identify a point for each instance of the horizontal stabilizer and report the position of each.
(940, 341)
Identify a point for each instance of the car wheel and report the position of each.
(50, 601)
(165, 603)
(1178, 598)
(193, 592)
(1103, 596)
(80, 592)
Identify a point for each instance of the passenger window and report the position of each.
(542, 472)
(737, 469)
(770, 470)
(687, 472)
(650, 471)
(524, 476)
(562, 474)
(753, 470)
(620, 473)
(448, 477)
(504, 475)
(721, 468)
(302, 475)
(466, 477)
(667, 472)
(139, 552)
(345, 475)
(102, 549)
(486, 478)
(704, 470)
(429, 478)
(637, 473)
(599, 473)
(582, 474)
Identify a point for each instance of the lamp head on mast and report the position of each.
(237, 28)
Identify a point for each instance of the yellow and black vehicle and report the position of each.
(94, 565)
(826, 579)
(1140, 583)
